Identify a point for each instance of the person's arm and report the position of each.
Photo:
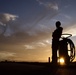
(60, 32)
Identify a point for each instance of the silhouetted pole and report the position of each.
(49, 59)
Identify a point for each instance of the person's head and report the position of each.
(58, 24)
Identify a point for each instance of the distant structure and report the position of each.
(48, 59)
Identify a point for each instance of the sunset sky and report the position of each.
(26, 27)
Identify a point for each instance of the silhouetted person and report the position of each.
(55, 41)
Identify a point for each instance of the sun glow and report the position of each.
(61, 61)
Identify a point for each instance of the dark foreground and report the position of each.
(15, 68)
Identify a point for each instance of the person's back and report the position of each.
(57, 33)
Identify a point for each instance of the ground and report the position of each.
(28, 68)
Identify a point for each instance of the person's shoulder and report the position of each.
(61, 28)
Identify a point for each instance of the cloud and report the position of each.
(2, 24)
(66, 16)
(29, 47)
(6, 17)
(52, 6)
(71, 30)
(6, 55)
(48, 5)
(47, 12)
(23, 43)
(38, 44)
(35, 45)
(41, 44)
